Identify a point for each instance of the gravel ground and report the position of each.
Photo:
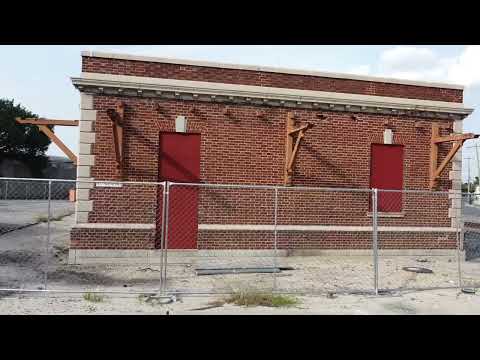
(448, 301)
(23, 257)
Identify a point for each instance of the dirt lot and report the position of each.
(17, 214)
(23, 259)
(448, 301)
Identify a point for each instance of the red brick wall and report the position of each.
(112, 239)
(296, 240)
(245, 149)
(258, 78)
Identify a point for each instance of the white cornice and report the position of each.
(270, 69)
(220, 92)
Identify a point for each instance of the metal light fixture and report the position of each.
(181, 124)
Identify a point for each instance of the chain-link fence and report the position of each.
(470, 240)
(177, 238)
(34, 189)
(418, 240)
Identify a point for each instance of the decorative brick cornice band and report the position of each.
(120, 85)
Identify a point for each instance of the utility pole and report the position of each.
(468, 183)
(468, 169)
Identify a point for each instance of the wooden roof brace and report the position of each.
(117, 116)
(291, 149)
(43, 127)
(457, 139)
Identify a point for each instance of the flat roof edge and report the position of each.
(271, 69)
(160, 85)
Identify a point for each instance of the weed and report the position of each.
(253, 298)
(92, 297)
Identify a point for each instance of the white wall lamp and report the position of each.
(181, 124)
(388, 136)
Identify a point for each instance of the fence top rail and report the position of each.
(429, 192)
(85, 181)
(269, 187)
(231, 186)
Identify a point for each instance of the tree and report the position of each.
(22, 142)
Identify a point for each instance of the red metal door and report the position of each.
(386, 172)
(179, 161)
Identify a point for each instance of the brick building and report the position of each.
(227, 124)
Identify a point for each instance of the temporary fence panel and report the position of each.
(141, 237)
(324, 239)
(470, 241)
(219, 238)
(417, 240)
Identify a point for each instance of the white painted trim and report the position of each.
(271, 93)
(115, 226)
(242, 227)
(271, 69)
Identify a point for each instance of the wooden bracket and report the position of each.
(291, 148)
(117, 118)
(43, 127)
(457, 139)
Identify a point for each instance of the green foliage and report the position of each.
(253, 298)
(92, 297)
(22, 142)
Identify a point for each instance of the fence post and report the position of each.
(460, 239)
(275, 239)
(375, 238)
(162, 235)
(165, 242)
(6, 189)
(47, 251)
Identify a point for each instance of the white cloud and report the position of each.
(422, 63)
(466, 69)
(407, 58)
(414, 63)
(360, 70)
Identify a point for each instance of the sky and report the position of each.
(38, 76)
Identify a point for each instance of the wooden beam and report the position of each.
(294, 152)
(447, 159)
(433, 154)
(42, 121)
(456, 137)
(58, 142)
(304, 127)
(289, 149)
(436, 139)
(117, 117)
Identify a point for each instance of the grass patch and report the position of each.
(250, 298)
(92, 297)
